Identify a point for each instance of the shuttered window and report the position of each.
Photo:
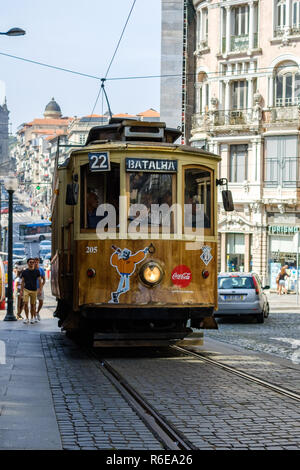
(238, 163)
(281, 162)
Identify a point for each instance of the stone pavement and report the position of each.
(53, 396)
(27, 416)
(283, 303)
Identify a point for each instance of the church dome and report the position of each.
(52, 110)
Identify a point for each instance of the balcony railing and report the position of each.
(239, 43)
(295, 30)
(232, 117)
(279, 31)
(280, 114)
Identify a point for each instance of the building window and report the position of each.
(82, 139)
(296, 17)
(281, 162)
(238, 163)
(280, 17)
(241, 21)
(203, 93)
(239, 90)
(235, 253)
(202, 30)
(287, 85)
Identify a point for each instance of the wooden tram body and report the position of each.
(101, 292)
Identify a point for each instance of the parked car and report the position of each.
(45, 243)
(18, 245)
(18, 253)
(242, 294)
(19, 208)
(4, 210)
(45, 253)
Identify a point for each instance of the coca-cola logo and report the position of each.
(181, 276)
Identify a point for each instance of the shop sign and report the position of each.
(283, 229)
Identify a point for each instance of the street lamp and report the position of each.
(14, 32)
(11, 185)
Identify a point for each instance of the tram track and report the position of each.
(251, 378)
(163, 430)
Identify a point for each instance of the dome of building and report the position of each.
(52, 110)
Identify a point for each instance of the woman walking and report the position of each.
(281, 280)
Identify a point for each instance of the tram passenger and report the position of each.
(92, 205)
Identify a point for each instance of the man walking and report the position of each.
(40, 296)
(29, 289)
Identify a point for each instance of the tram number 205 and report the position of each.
(91, 249)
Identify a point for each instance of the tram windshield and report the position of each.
(197, 197)
(153, 191)
(96, 189)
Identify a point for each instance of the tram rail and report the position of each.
(166, 433)
(276, 388)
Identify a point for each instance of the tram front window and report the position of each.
(149, 189)
(96, 189)
(197, 198)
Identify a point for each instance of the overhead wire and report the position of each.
(110, 64)
(215, 74)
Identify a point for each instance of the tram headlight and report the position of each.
(151, 273)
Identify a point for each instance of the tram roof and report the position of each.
(128, 145)
(124, 133)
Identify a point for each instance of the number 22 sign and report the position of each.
(99, 161)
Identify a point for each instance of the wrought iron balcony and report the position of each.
(295, 30)
(232, 117)
(282, 113)
(239, 43)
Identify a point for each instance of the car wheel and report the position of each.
(267, 311)
(260, 318)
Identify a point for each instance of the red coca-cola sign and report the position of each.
(181, 276)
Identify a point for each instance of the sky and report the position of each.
(81, 36)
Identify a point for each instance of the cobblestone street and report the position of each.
(279, 335)
(77, 407)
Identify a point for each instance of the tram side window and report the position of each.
(96, 189)
(152, 188)
(197, 191)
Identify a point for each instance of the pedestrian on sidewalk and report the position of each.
(29, 289)
(20, 303)
(282, 275)
(40, 296)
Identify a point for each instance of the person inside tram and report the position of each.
(92, 204)
(191, 217)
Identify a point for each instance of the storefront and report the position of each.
(283, 252)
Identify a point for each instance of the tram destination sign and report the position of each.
(151, 165)
(99, 161)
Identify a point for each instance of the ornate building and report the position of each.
(246, 108)
(247, 97)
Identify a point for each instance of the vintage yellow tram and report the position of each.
(134, 235)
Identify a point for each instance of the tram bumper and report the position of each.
(200, 317)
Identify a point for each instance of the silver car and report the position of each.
(242, 294)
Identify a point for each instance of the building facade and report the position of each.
(246, 108)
